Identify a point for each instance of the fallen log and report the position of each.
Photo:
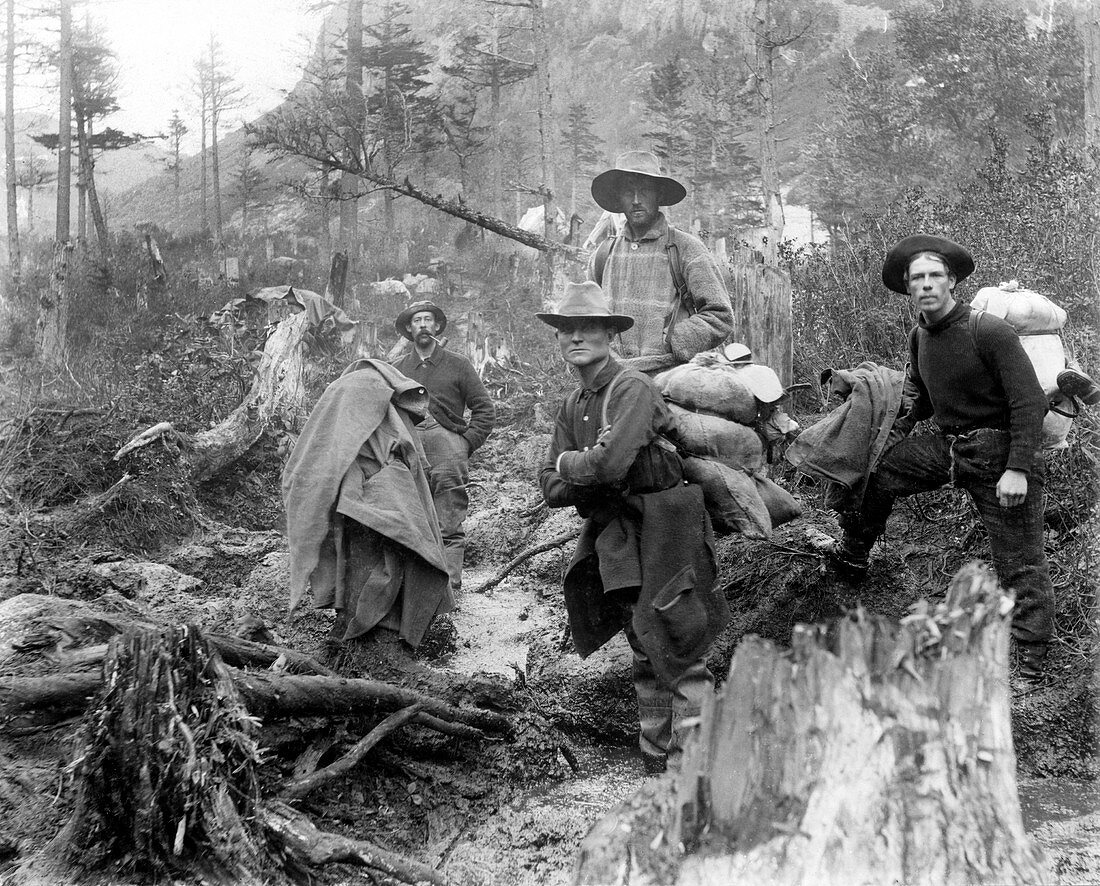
(265, 695)
(868, 753)
(301, 839)
(299, 787)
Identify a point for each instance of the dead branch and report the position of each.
(299, 787)
(302, 839)
(502, 573)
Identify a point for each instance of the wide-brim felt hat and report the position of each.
(416, 307)
(607, 186)
(584, 301)
(901, 254)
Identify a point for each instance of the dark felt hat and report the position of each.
(607, 186)
(402, 321)
(584, 301)
(901, 254)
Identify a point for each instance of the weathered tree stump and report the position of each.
(868, 753)
(166, 779)
(277, 395)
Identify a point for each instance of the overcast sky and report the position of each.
(157, 42)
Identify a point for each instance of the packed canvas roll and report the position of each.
(1025, 311)
(782, 506)
(733, 444)
(731, 498)
(713, 389)
(1057, 422)
(1048, 357)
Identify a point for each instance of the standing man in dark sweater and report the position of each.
(972, 377)
(449, 438)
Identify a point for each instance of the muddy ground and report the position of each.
(495, 812)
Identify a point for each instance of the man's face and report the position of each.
(930, 283)
(639, 202)
(585, 342)
(422, 326)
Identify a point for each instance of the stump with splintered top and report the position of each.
(869, 752)
(166, 781)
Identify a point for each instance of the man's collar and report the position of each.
(602, 377)
(960, 311)
(659, 229)
(433, 357)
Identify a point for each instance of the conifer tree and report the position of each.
(584, 147)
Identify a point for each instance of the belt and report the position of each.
(953, 432)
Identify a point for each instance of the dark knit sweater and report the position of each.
(453, 385)
(980, 380)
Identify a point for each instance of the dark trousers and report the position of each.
(449, 460)
(973, 462)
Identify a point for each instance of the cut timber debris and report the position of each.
(166, 777)
(868, 753)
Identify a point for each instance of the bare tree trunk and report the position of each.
(87, 170)
(15, 259)
(51, 331)
(1090, 33)
(204, 115)
(546, 148)
(868, 753)
(495, 129)
(65, 122)
(348, 238)
(769, 163)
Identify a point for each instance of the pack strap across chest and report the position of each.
(972, 324)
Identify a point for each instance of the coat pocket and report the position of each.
(681, 611)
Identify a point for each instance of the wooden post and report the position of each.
(761, 299)
(868, 753)
(337, 278)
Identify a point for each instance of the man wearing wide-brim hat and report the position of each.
(644, 562)
(971, 376)
(449, 437)
(665, 278)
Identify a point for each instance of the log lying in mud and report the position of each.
(266, 695)
(868, 753)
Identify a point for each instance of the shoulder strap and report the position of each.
(972, 323)
(600, 258)
(676, 268)
(604, 425)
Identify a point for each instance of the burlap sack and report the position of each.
(731, 498)
(782, 506)
(713, 389)
(737, 446)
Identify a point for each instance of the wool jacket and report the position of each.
(453, 386)
(638, 282)
(660, 542)
(361, 524)
(983, 379)
(846, 445)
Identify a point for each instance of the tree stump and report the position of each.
(868, 753)
(166, 781)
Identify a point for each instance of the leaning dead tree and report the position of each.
(868, 753)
